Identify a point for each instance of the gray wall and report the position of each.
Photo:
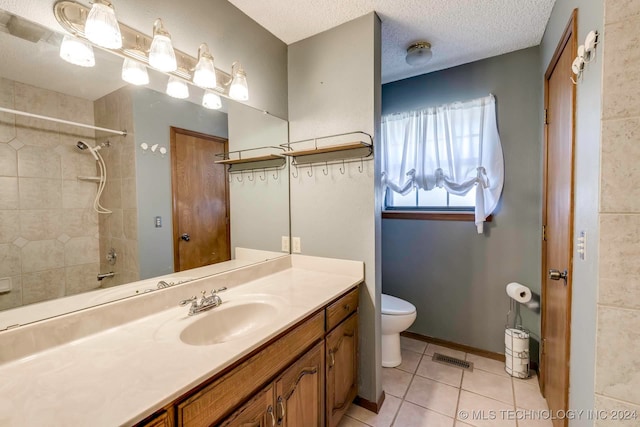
(587, 178)
(153, 114)
(455, 277)
(259, 207)
(230, 34)
(334, 87)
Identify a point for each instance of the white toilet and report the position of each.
(397, 316)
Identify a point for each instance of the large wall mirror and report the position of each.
(174, 214)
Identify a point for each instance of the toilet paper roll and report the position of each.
(516, 340)
(519, 292)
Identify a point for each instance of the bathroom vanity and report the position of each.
(280, 350)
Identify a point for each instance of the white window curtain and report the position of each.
(455, 146)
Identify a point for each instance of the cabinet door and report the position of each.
(342, 369)
(300, 391)
(257, 412)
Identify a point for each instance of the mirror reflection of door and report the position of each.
(200, 192)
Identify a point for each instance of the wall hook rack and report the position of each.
(349, 145)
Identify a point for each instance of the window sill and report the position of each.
(433, 216)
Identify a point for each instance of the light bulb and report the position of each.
(77, 52)
(161, 54)
(239, 89)
(102, 25)
(176, 88)
(134, 72)
(204, 74)
(211, 100)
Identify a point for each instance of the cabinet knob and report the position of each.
(347, 307)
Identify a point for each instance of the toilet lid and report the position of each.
(392, 305)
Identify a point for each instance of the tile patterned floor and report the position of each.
(422, 393)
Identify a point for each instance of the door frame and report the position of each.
(174, 179)
(569, 36)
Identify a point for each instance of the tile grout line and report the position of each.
(402, 400)
(513, 395)
(455, 417)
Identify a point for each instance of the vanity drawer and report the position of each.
(341, 309)
(209, 405)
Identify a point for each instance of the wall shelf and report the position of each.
(310, 151)
(249, 159)
(244, 160)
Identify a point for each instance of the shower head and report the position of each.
(81, 145)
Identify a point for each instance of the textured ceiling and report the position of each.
(460, 31)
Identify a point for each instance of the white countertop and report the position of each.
(124, 374)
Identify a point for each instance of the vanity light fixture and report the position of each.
(418, 53)
(161, 55)
(211, 100)
(177, 88)
(239, 89)
(77, 52)
(102, 26)
(204, 74)
(133, 71)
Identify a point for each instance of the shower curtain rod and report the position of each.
(66, 122)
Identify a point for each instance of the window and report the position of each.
(446, 158)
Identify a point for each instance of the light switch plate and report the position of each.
(285, 244)
(297, 247)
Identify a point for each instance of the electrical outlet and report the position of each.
(285, 244)
(582, 245)
(297, 247)
(5, 284)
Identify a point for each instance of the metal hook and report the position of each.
(361, 167)
(325, 169)
(240, 178)
(310, 171)
(276, 175)
(342, 169)
(264, 175)
(296, 175)
(230, 179)
(252, 176)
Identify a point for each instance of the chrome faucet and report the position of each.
(205, 303)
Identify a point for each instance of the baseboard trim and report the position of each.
(454, 346)
(369, 405)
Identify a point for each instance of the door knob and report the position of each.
(557, 275)
(185, 237)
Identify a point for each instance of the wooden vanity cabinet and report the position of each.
(307, 377)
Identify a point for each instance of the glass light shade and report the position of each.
(176, 88)
(211, 100)
(134, 72)
(102, 26)
(161, 55)
(239, 89)
(205, 73)
(418, 54)
(77, 52)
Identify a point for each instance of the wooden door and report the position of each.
(200, 200)
(558, 223)
(342, 369)
(300, 391)
(257, 412)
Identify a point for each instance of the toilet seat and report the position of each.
(395, 306)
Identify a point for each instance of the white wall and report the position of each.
(334, 87)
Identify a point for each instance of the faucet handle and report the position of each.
(215, 291)
(187, 301)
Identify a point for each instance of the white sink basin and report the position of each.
(232, 320)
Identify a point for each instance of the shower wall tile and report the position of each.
(9, 193)
(129, 198)
(41, 224)
(130, 223)
(8, 230)
(78, 194)
(621, 88)
(82, 278)
(610, 406)
(619, 264)
(36, 100)
(38, 132)
(81, 250)
(620, 171)
(39, 162)
(42, 286)
(78, 110)
(80, 222)
(40, 193)
(128, 157)
(8, 164)
(7, 121)
(114, 220)
(620, 10)
(76, 163)
(10, 260)
(13, 298)
(617, 364)
(112, 195)
(42, 255)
